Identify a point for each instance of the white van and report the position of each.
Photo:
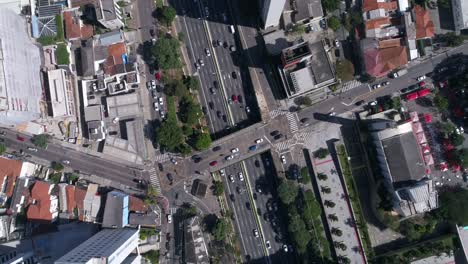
(231, 28)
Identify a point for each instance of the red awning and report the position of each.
(424, 92)
(443, 166)
(412, 96)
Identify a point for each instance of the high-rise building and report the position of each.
(109, 246)
(271, 11)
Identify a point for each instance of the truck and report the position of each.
(399, 73)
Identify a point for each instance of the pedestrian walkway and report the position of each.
(275, 113)
(154, 179)
(292, 121)
(284, 146)
(350, 85)
(161, 158)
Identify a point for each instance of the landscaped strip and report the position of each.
(354, 198)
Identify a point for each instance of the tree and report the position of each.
(169, 135)
(184, 149)
(166, 14)
(40, 140)
(451, 39)
(299, 234)
(334, 23)
(457, 139)
(166, 53)
(321, 153)
(298, 29)
(451, 209)
(152, 256)
(440, 102)
(303, 100)
(336, 231)
(192, 82)
(343, 260)
(188, 210)
(325, 189)
(189, 111)
(305, 176)
(2, 149)
(221, 229)
(63, 57)
(287, 192)
(57, 166)
(322, 176)
(333, 217)
(329, 203)
(345, 70)
(72, 177)
(181, 36)
(463, 156)
(444, 3)
(202, 140)
(218, 188)
(55, 177)
(176, 88)
(330, 5)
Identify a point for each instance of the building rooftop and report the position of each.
(20, 90)
(149, 219)
(116, 210)
(134, 131)
(380, 61)
(110, 38)
(424, 24)
(199, 188)
(123, 106)
(418, 198)
(91, 203)
(74, 27)
(59, 89)
(306, 9)
(369, 5)
(21, 194)
(109, 9)
(93, 113)
(404, 158)
(137, 205)
(43, 206)
(10, 170)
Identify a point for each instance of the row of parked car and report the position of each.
(158, 103)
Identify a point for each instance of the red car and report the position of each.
(157, 76)
(213, 163)
(422, 84)
(20, 138)
(234, 98)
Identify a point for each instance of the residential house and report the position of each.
(43, 22)
(109, 14)
(143, 215)
(91, 203)
(381, 57)
(43, 204)
(424, 24)
(68, 206)
(74, 27)
(116, 210)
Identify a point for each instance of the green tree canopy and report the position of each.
(57, 166)
(192, 82)
(463, 156)
(298, 232)
(218, 188)
(166, 14)
(169, 135)
(152, 256)
(2, 149)
(55, 177)
(451, 39)
(334, 23)
(305, 176)
(298, 29)
(166, 53)
(457, 139)
(287, 191)
(189, 111)
(345, 70)
(63, 57)
(202, 140)
(440, 102)
(303, 100)
(453, 207)
(221, 229)
(321, 153)
(40, 140)
(330, 5)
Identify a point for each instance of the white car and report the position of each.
(200, 61)
(267, 244)
(32, 149)
(222, 172)
(230, 157)
(241, 176)
(285, 248)
(169, 218)
(337, 43)
(156, 106)
(283, 159)
(65, 161)
(174, 161)
(153, 84)
(420, 78)
(373, 103)
(258, 141)
(161, 101)
(255, 233)
(332, 114)
(231, 178)
(208, 53)
(234, 150)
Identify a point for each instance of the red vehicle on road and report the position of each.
(20, 138)
(213, 163)
(157, 75)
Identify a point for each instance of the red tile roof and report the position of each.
(71, 204)
(39, 207)
(9, 171)
(74, 29)
(115, 51)
(137, 205)
(424, 24)
(377, 23)
(381, 61)
(369, 5)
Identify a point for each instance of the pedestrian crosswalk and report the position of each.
(292, 121)
(350, 85)
(275, 113)
(154, 180)
(161, 158)
(284, 145)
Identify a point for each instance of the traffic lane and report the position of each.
(244, 218)
(80, 161)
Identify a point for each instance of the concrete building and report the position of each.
(195, 249)
(110, 246)
(303, 11)
(60, 94)
(460, 14)
(116, 210)
(271, 11)
(16, 6)
(91, 203)
(95, 123)
(109, 14)
(404, 163)
(306, 69)
(20, 81)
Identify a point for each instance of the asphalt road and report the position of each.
(196, 40)
(86, 163)
(261, 173)
(244, 219)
